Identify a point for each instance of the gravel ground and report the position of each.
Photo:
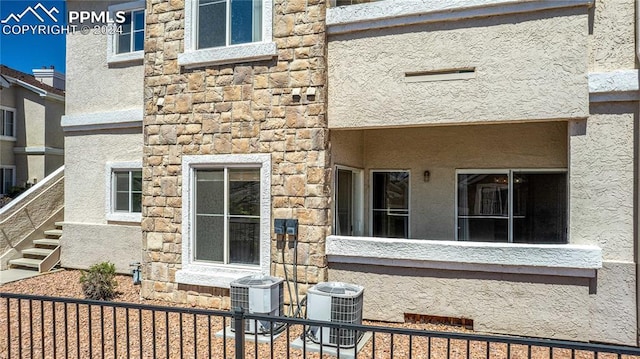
(134, 335)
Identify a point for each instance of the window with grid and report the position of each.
(7, 123)
(227, 215)
(520, 206)
(228, 22)
(132, 37)
(127, 191)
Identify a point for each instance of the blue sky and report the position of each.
(25, 51)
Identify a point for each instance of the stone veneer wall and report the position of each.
(236, 108)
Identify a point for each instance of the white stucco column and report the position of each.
(601, 212)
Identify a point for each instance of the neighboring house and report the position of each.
(461, 159)
(31, 140)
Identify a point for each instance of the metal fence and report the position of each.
(48, 327)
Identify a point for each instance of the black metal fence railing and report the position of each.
(48, 327)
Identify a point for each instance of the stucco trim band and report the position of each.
(388, 13)
(546, 259)
(103, 120)
(39, 151)
(621, 85)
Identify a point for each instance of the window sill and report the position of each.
(8, 138)
(212, 275)
(124, 217)
(231, 54)
(116, 59)
(541, 259)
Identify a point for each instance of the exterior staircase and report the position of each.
(45, 253)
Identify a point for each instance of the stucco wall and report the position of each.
(86, 173)
(602, 180)
(35, 165)
(88, 237)
(93, 86)
(528, 66)
(54, 137)
(30, 126)
(84, 245)
(52, 162)
(613, 309)
(602, 210)
(347, 148)
(6, 153)
(542, 306)
(612, 36)
(7, 96)
(96, 87)
(442, 150)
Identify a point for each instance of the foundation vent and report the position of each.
(441, 75)
(434, 319)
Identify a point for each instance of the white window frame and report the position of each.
(228, 30)
(253, 51)
(371, 172)
(13, 135)
(217, 274)
(358, 199)
(509, 172)
(13, 177)
(113, 57)
(111, 214)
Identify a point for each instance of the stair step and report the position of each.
(26, 262)
(53, 232)
(59, 224)
(47, 242)
(43, 252)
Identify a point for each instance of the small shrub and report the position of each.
(99, 282)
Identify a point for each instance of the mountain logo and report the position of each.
(39, 11)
